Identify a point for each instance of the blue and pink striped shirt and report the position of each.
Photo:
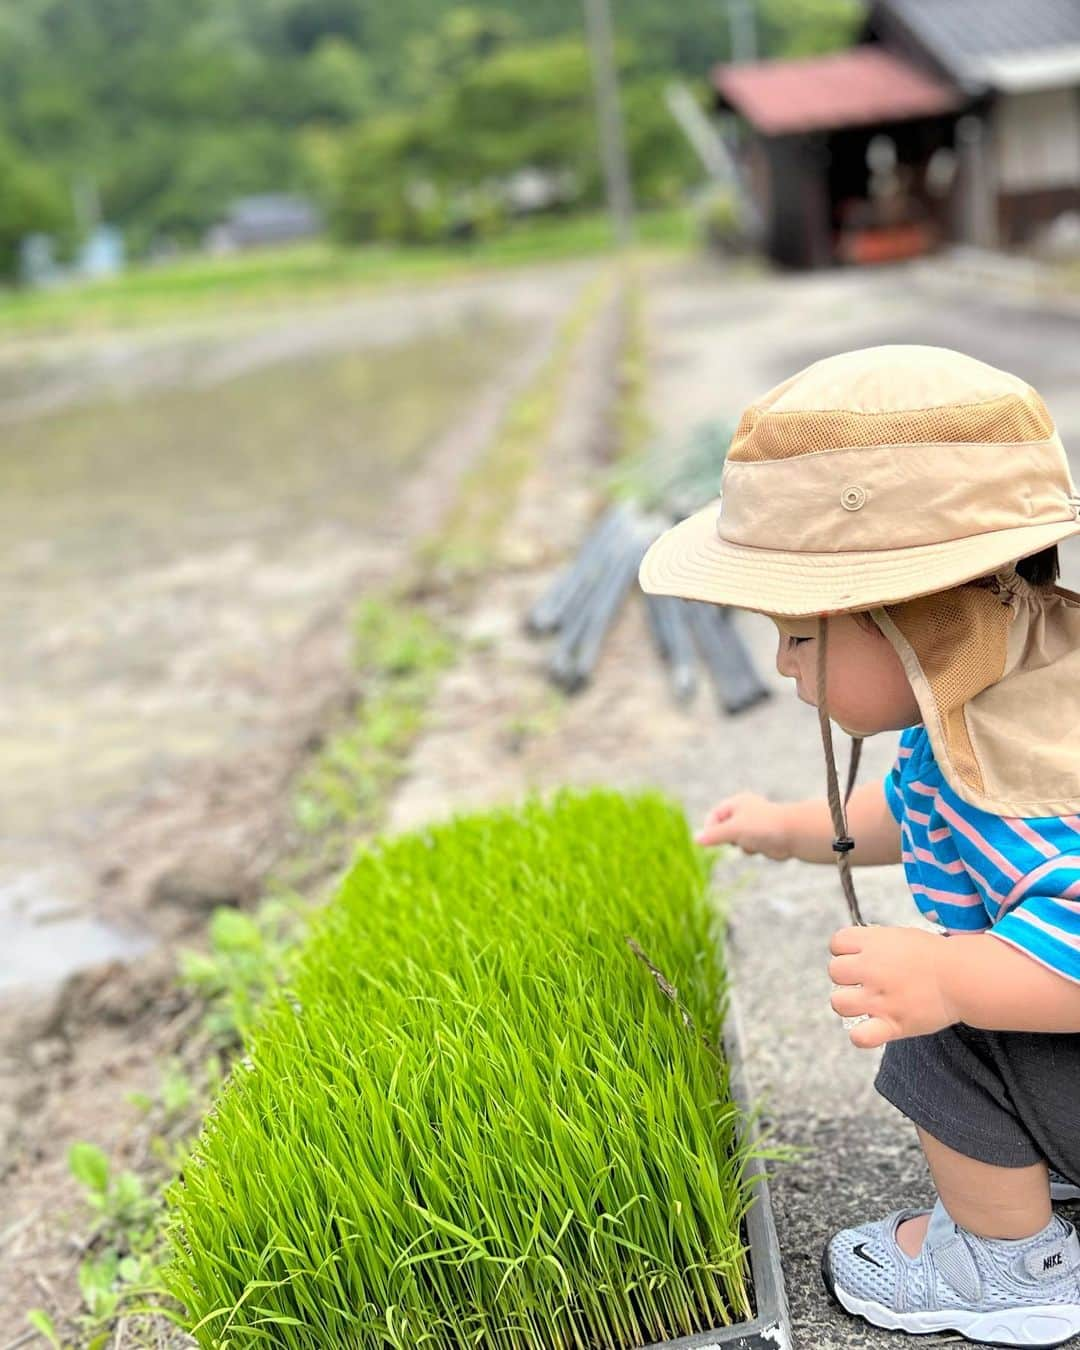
(970, 871)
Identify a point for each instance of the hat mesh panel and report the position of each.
(959, 637)
(763, 434)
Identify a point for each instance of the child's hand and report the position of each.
(893, 974)
(751, 823)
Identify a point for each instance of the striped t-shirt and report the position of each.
(970, 871)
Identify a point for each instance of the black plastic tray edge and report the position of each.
(770, 1327)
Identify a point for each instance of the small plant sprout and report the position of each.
(120, 1201)
(97, 1283)
(177, 1090)
(248, 954)
(124, 1243)
(42, 1323)
(476, 1115)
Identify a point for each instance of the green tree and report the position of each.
(528, 105)
(339, 84)
(464, 37)
(662, 161)
(807, 27)
(165, 103)
(213, 168)
(30, 201)
(413, 176)
(386, 187)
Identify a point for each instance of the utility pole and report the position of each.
(742, 21)
(609, 117)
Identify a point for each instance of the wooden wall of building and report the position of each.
(1036, 159)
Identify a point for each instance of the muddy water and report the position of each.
(162, 541)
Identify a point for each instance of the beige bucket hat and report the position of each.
(905, 481)
(872, 477)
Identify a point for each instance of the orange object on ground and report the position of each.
(885, 243)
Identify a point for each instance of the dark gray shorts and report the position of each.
(1002, 1097)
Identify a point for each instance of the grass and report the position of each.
(473, 1117)
(191, 284)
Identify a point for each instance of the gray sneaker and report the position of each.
(1061, 1188)
(1024, 1292)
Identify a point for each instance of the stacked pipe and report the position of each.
(583, 601)
(585, 598)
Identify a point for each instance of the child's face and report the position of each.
(866, 688)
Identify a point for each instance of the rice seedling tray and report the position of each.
(769, 1329)
(472, 1117)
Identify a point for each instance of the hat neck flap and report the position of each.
(995, 668)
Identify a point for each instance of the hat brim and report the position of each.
(691, 561)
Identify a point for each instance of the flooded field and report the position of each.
(172, 518)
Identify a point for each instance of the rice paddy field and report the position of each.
(474, 1115)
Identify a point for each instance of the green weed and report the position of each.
(248, 954)
(400, 653)
(119, 1201)
(40, 1320)
(124, 1242)
(473, 1116)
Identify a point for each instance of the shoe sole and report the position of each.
(1027, 1327)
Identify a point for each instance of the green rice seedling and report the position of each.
(478, 1115)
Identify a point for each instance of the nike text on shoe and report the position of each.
(1024, 1292)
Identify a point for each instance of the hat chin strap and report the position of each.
(842, 843)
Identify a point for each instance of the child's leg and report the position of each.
(992, 1202)
(990, 1260)
(1004, 1100)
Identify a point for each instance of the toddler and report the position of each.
(896, 512)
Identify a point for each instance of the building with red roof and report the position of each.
(952, 119)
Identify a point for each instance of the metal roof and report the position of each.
(1010, 45)
(859, 87)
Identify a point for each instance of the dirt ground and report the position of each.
(176, 554)
(497, 729)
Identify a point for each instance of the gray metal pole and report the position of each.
(743, 21)
(977, 183)
(609, 117)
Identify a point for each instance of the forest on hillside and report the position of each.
(394, 116)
